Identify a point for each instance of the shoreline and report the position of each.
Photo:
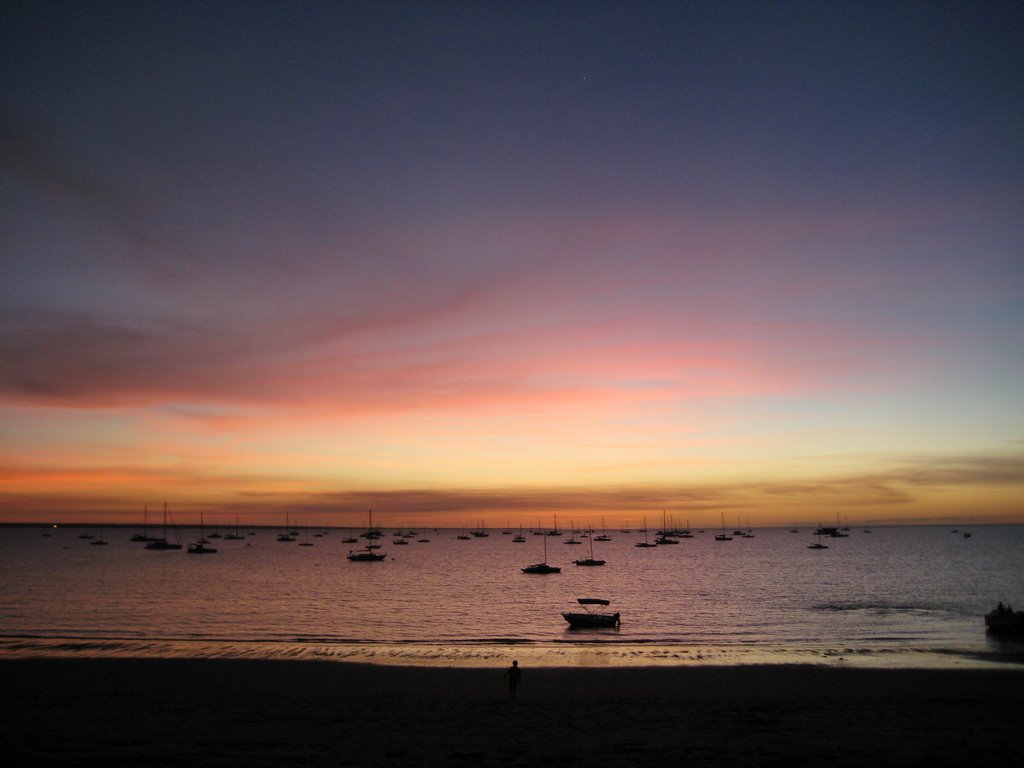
(989, 653)
(68, 711)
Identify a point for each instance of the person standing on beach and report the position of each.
(513, 674)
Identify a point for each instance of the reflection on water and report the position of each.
(899, 596)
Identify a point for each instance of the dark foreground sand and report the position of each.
(112, 712)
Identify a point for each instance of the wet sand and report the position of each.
(116, 712)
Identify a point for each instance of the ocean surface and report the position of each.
(895, 596)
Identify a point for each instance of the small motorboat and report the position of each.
(1005, 621)
(589, 617)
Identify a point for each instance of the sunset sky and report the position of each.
(463, 261)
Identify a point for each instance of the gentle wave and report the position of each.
(893, 595)
(880, 607)
(532, 654)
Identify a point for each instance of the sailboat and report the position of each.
(604, 532)
(644, 544)
(144, 536)
(519, 538)
(590, 560)
(235, 535)
(542, 567)
(572, 534)
(199, 547)
(819, 545)
(367, 555)
(723, 536)
(162, 543)
(99, 541)
(371, 533)
(285, 535)
(664, 535)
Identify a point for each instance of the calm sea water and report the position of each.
(898, 596)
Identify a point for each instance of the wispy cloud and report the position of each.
(80, 357)
(939, 471)
(27, 155)
(33, 157)
(869, 495)
(390, 361)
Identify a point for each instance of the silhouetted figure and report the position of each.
(513, 674)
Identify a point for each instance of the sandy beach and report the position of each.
(116, 712)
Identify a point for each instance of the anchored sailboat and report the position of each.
(367, 555)
(199, 547)
(590, 560)
(542, 567)
(144, 536)
(162, 543)
(644, 544)
(723, 536)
